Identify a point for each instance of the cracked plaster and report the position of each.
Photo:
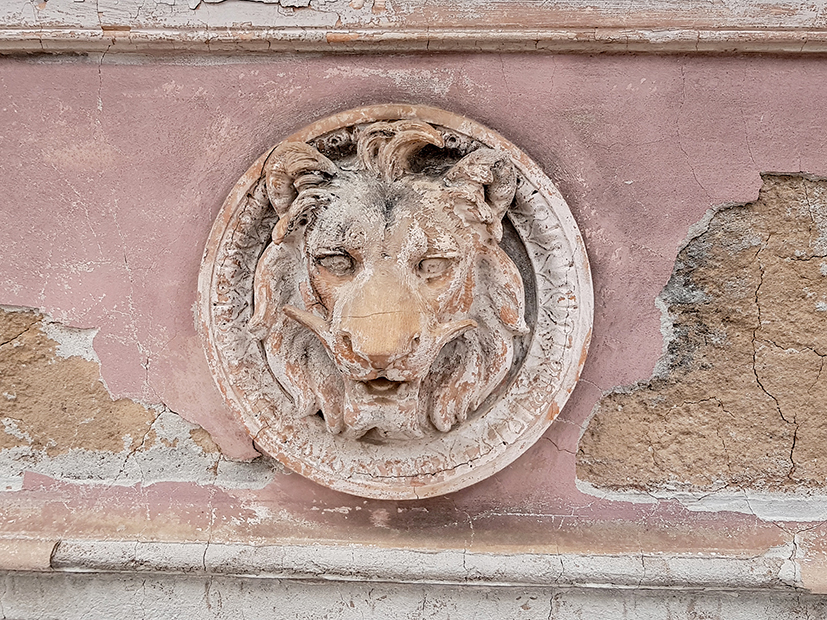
(739, 396)
(334, 26)
(134, 240)
(224, 598)
(59, 420)
(97, 247)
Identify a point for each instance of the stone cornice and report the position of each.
(573, 26)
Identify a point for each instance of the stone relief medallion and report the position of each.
(395, 301)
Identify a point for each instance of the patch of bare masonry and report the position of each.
(57, 419)
(739, 397)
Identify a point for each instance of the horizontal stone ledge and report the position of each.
(775, 570)
(273, 40)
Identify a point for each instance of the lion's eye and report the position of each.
(337, 264)
(433, 267)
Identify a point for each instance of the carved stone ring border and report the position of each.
(435, 464)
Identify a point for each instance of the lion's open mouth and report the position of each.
(382, 387)
(381, 409)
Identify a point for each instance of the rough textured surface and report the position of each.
(168, 597)
(114, 169)
(640, 147)
(53, 404)
(608, 131)
(774, 570)
(58, 419)
(742, 391)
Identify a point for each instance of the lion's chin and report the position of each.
(382, 409)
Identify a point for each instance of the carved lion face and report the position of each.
(385, 301)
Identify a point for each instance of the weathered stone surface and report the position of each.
(349, 364)
(78, 596)
(130, 162)
(412, 25)
(741, 395)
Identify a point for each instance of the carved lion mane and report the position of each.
(384, 300)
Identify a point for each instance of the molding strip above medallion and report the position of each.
(338, 26)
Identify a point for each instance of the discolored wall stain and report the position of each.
(54, 404)
(740, 396)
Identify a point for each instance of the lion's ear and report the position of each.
(489, 176)
(291, 168)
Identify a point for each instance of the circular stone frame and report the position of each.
(504, 427)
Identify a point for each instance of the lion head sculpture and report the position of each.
(384, 300)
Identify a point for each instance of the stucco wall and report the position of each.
(114, 167)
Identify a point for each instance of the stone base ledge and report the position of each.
(774, 570)
(103, 596)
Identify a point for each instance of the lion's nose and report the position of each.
(379, 341)
(381, 321)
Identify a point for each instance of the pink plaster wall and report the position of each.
(112, 174)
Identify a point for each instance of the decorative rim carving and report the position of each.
(560, 302)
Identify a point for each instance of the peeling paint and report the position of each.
(96, 246)
(787, 26)
(59, 421)
(738, 398)
(222, 597)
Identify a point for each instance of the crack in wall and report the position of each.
(755, 340)
(737, 399)
(100, 83)
(680, 135)
(14, 338)
(5, 579)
